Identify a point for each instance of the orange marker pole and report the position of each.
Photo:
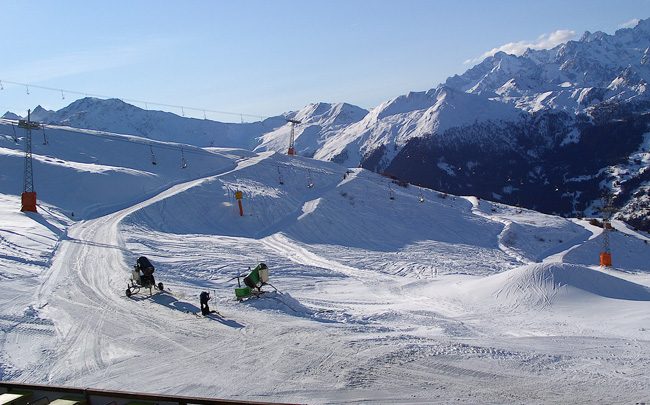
(239, 195)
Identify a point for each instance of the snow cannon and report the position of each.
(142, 277)
(253, 282)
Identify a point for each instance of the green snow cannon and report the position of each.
(254, 281)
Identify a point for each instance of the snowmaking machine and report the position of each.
(253, 282)
(142, 277)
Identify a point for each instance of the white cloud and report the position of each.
(544, 41)
(629, 24)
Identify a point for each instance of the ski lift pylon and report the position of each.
(280, 178)
(153, 156)
(183, 161)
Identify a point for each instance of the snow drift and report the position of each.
(543, 284)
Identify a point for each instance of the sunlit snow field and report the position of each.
(425, 297)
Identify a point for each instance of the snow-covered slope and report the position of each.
(78, 171)
(550, 130)
(390, 125)
(385, 294)
(114, 115)
(318, 123)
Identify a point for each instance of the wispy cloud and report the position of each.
(544, 41)
(76, 62)
(629, 24)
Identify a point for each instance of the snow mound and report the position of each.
(282, 302)
(544, 284)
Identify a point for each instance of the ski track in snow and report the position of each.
(338, 331)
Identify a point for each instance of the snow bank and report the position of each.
(541, 285)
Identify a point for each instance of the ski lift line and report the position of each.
(120, 138)
(174, 106)
(196, 151)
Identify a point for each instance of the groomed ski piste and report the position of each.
(379, 300)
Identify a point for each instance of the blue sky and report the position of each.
(268, 57)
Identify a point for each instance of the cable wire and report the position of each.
(183, 108)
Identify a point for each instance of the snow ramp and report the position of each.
(544, 284)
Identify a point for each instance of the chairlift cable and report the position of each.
(136, 101)
(117, 137)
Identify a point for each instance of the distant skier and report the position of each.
(204, 298)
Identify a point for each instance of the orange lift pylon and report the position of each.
(606, 253)
(28, 197)
(292, 138)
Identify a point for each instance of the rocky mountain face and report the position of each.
(581, 130)
(551, 129)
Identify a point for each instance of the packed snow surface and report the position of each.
(423, 297)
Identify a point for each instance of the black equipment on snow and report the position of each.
(142, 277)
(204, 298)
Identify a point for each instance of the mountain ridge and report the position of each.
(529, 108)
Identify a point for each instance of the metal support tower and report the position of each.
(292, 149)
(29, 195)
(608, 211)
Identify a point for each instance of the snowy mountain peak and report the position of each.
(590, 37)
(318, 123)
(329, 114)
(41, 114)
(11, 116)
(556, 78)
(86, 104)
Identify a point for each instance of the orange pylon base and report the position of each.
(605, 259)
(28, 201)
(291, 151)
